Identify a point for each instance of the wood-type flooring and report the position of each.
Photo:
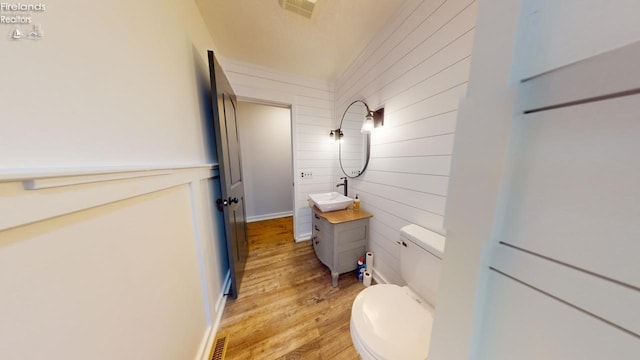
(287, 308)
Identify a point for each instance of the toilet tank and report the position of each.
(421, 260)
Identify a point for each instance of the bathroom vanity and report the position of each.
(339, 239)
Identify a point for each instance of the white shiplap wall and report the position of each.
(312, 114)
(417, 67)
(542, 213)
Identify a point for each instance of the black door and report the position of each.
(228, 149)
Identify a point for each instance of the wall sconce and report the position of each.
(372, 120)
(367, 125)
(336, 134)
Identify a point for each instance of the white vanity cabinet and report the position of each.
(339, 239)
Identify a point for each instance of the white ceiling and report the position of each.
(262, 33)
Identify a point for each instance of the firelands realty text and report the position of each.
(22, 7)
(16, 8)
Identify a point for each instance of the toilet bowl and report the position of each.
(391, 322)
(388, 322)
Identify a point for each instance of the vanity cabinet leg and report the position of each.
(334, 279)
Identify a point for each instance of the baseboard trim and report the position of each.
(206, 344)
(379, 279)
(222, 299)
(269, 216)
(303, 237)
(210, 334)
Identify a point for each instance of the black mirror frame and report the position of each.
(368, 140)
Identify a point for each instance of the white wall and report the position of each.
(106, 86)
(265, 143)
(311, 104)
(573, 40)
(417, 68)
(110, 264)
(474, 185)
(541, 225)
(113, 268)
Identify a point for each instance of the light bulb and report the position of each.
(367, 126)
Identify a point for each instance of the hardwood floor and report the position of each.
(286, 308)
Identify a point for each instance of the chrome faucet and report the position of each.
(343, 184)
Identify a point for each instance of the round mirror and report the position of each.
(354, 145)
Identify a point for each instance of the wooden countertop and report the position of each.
(340, 216)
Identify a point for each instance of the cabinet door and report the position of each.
(350, 243)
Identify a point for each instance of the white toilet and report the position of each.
(391, 322)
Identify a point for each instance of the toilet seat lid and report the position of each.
(391, 323)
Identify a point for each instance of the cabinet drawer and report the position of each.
(323, 228)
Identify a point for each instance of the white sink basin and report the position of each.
(330, 201)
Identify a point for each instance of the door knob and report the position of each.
(220, 203)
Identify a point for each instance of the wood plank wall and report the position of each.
(417, 67)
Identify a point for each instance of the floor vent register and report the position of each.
(219, 347)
